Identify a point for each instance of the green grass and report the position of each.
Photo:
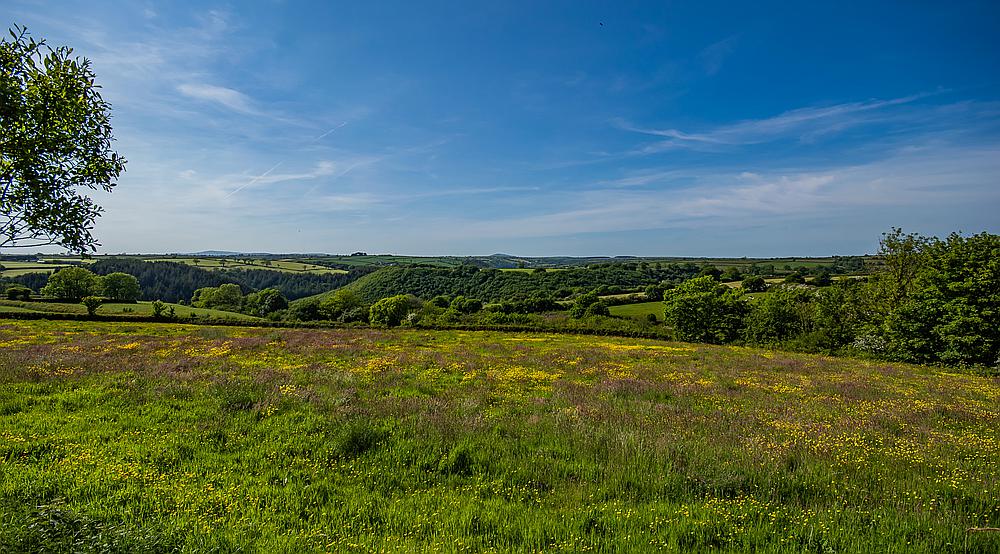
(138, 309)
(155, 437)
(640, 310)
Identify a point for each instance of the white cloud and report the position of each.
(227, 97)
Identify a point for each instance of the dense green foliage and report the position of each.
(72, 283)
(390, 312)
(496, 286)
(947, 307)
(173, 282)
(134, 437)
(754, 283)
(264, 302)
(930, 301)
(55, 145)
(702, 310)
(120, 287)
(227, 297)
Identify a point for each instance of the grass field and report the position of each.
(15, 269)
(272, 265)
(640, 310)
(139, 308)
(158, 437)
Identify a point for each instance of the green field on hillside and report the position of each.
(17, 268)
(640, 310)
(289, 266)
(157, 437)
(138, 309)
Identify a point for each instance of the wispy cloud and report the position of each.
(226, 97)
(913, 177)
(798, 123)
(713, 56)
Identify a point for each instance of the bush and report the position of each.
(466, 305)
(795, 278)
(597, 308)
(18, 293)
(579, 308)
(754, 283)
(390, 312)
(92, 303)
(162, 311)
(264, 303)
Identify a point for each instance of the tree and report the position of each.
(731, 274)
(579, 308)
(71, 283)
(795, 278)
(344, 305)
(466, 305)
(711, 271)
(902, 257)
(754, 283)
(389, 312)
(120, 287)
(779, 316)
(264, 302)
(55, 143)
(227, 297)
(950, 311)
(702, 310)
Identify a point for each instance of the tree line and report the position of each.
(929, 300)
(175, 282)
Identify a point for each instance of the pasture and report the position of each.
(642, 310)
(18, 268)
(159, 437)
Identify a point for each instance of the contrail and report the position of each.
(275, 166)
(255, 179)
(321, 137)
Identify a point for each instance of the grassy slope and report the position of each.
(140, 308)
(640, 310)
(159, 437)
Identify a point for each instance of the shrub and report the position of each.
(19, 293)
(390, 312)
(92, 303)
(162, 311)
(754, 283)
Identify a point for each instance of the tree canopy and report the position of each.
(55, 145)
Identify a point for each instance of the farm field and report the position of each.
(161, 437)
(254, 263)
(17, 268)
(640, 310)
(139, 308)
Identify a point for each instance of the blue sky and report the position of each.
(541, 128)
